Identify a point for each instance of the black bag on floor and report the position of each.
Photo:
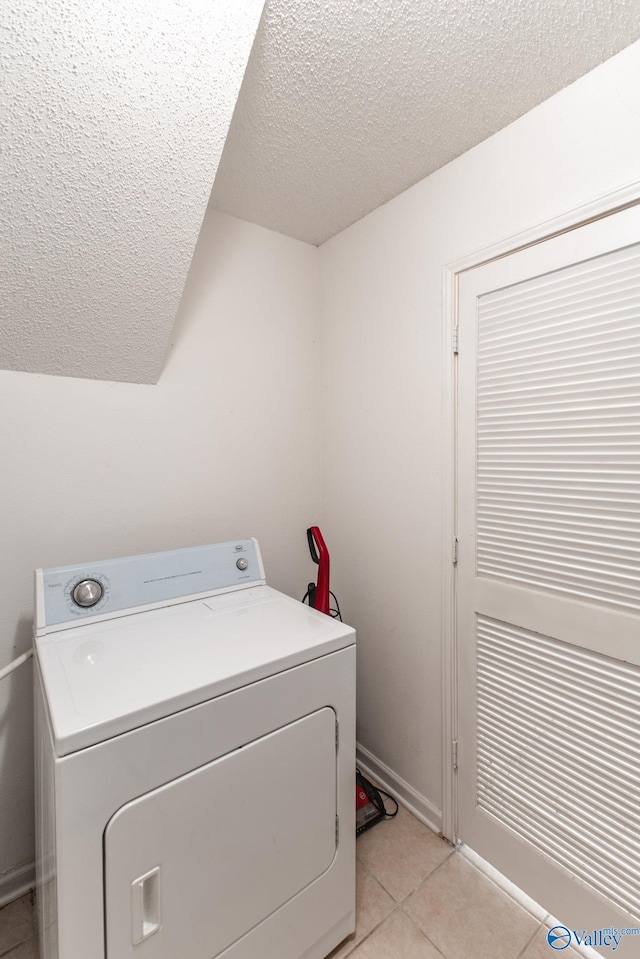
(370, 807)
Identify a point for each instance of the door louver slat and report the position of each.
(552, 766)
(558, 431)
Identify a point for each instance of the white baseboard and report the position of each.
(16, 882)
(415, 802)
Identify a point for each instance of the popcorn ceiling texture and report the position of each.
(344, 105)
(113, 117)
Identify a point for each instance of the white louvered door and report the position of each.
(548, 585)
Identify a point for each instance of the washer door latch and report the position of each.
(145, 906)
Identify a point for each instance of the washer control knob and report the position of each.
(87, 593)
(242, 563)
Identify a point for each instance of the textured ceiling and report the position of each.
(113, 117)
(114, 113)
(346, 104)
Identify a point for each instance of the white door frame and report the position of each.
(612, 202)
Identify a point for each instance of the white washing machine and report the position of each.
(195, 742)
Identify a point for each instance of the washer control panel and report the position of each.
(68, 594)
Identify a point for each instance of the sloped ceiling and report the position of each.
(113, 116)
(346, 104)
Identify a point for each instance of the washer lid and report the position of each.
(104, 679)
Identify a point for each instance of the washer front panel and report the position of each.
(194, 865)
(93, 784)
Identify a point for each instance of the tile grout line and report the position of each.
(529, 941)
(399, 902)
(426, 878)
(432, 943)
(371, 931)
(410, 918)
(378, 924)
(397, 908)
(422, 932)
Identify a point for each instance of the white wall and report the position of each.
(225, 445)
(382, 323)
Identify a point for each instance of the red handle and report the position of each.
(322, 590)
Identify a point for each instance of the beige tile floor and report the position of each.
(416, 899)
